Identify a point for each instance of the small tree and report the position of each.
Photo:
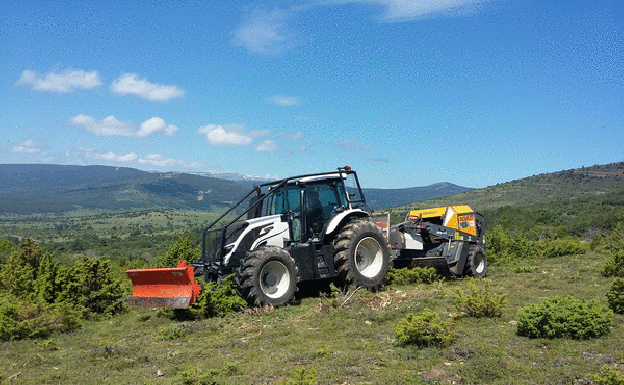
(615, 296)
(6, 249)
(182, 250)
(17, 276)
(89, 284)
(614, 267)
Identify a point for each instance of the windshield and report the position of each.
(329, 194)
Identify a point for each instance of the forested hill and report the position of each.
(384, 198)
(30, 189)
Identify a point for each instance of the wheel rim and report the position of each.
(480, 265)
(368, 257)
(274, 279)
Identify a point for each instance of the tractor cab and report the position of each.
(307, 206)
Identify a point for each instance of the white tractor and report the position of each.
(305, 228)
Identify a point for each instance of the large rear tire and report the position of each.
(476, 264)
(268, 276)
(361, 256)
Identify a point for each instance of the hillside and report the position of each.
(55, 189)
(384, 198)
(578, 198)
(31, 189)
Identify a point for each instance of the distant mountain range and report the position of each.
(378, 199)
(235, 177)
(27, 189)
(31, 189)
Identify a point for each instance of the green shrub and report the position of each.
(6, 249)
(182, 250)
(614, 267)
(503, 249)
(596, 243)
(523, 248)
(213, 301)
(194, 376)
(424, 330)
(479, 301)
(560, 247)
(564, 317)
(615, 296)
(497, 241)
(302, 376)
(408, 276)
(609, 376)
(91, 284)
(174, 332)
(29, 319)
(218, 301)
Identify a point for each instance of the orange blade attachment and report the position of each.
(168, 288)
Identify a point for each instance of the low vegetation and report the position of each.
(549, 311)
(407, 276)
(365, 337)
(564, 316)
(39, 297)
(478, 300)
(424, 330)
(615, 296)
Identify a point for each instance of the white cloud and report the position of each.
(267, 146)
(268, 32)
(160, 161)
(403, 10)
(284, 101)
(295, 135)
(26, 147)
(264, 33)
(110, 126)
(132, 84)
(67, 81)
(155, 124)
(112, 157)
(351, 145)
(229, 134)
(155, 160)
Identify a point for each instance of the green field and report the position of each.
(343, 341)
(139, 235)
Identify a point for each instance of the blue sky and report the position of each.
(408, 93)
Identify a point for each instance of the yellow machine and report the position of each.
(443, 237)
(460, 218)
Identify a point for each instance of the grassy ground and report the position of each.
(333, 344)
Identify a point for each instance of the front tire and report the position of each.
(476, 264)
(362, 257)
(268, 276)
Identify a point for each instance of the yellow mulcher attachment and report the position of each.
(169, 288)
(460, 218)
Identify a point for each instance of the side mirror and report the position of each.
(284, 216)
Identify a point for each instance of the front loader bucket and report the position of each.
(168, 288)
